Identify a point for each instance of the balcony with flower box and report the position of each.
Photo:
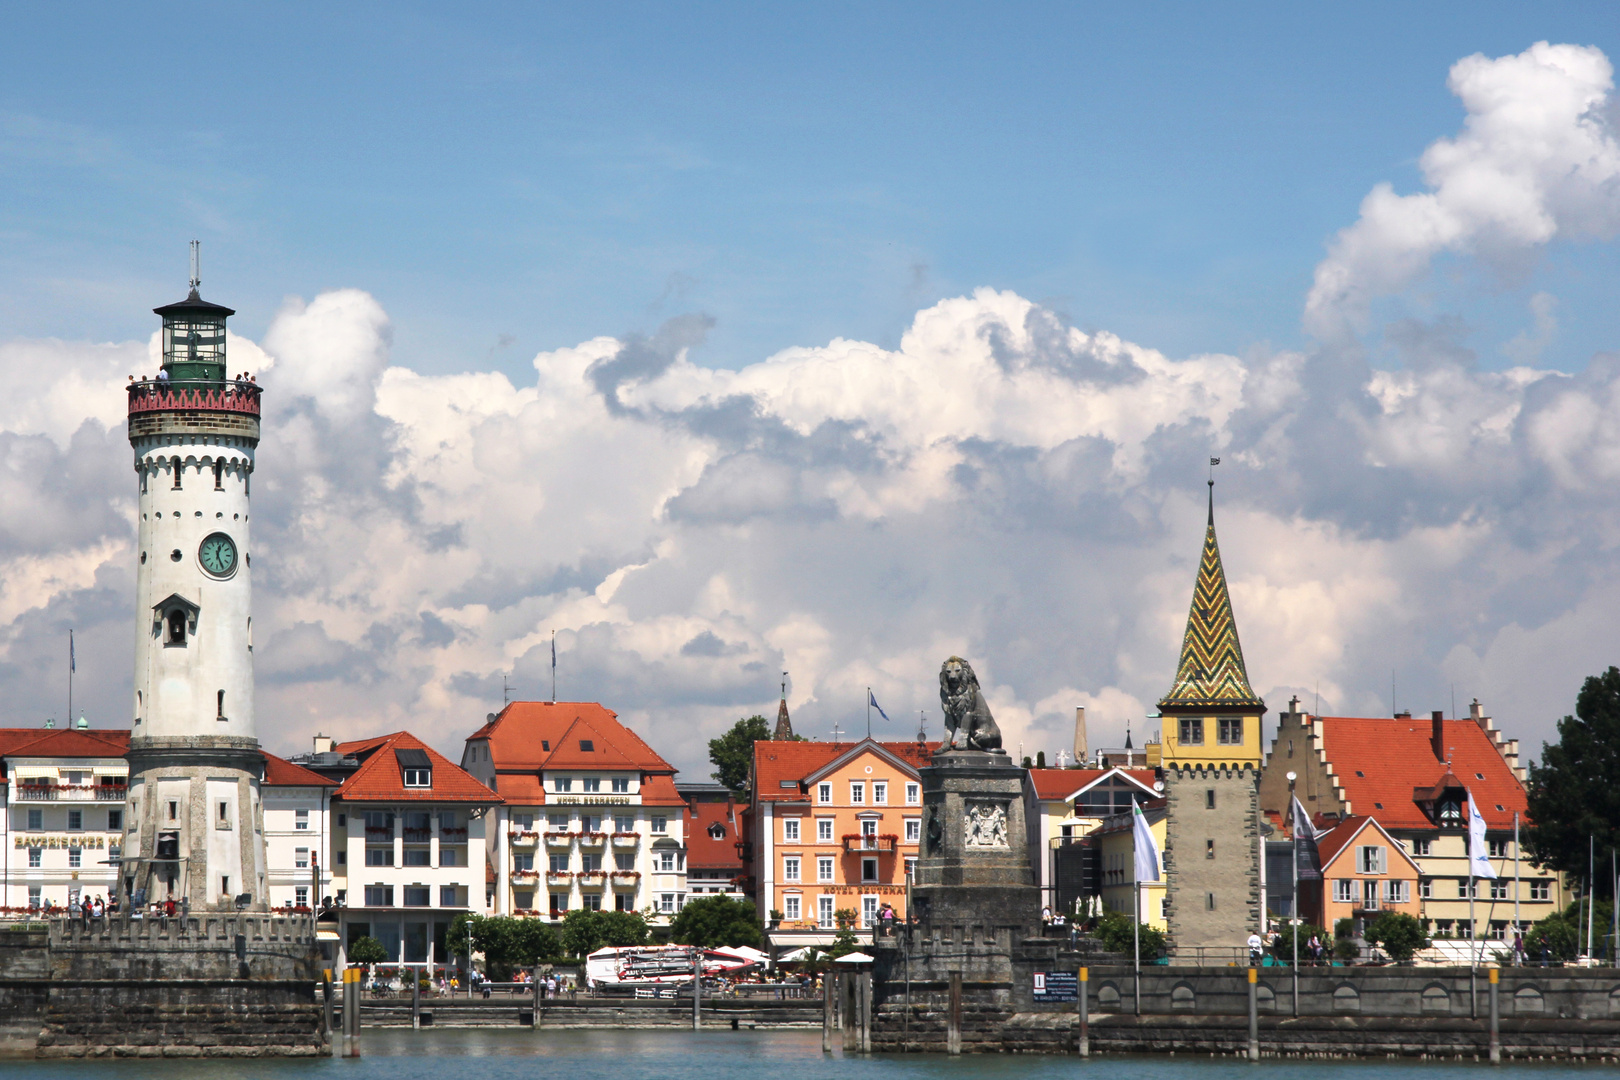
(524, 838)
(416, 836)
(559, 841)
(873, 845)
(592, 841)
(626, 840)
(559, 879)
(454, 835)
(51, 792)
(525, 877)
(592, 879)
(625, 879)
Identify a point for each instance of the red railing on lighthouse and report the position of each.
(164, 396)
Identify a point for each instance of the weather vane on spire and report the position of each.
(196, 264)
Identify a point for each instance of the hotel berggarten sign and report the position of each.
(61, 841)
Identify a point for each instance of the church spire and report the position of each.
(1211, 671)
(784, 724)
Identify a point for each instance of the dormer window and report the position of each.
(717, 831)
(175, 619)
(415, 768)
(1448, 812)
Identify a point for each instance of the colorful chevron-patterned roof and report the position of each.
(1211, 671)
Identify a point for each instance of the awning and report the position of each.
(327, 935)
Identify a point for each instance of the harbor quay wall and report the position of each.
(206, 985)
(1558, 1012)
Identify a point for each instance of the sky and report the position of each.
(724, 340)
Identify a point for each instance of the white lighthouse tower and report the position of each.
(193, 831)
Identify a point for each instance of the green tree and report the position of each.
(1399, 934)
(722, 921)
(584, 931)
(844, 941)
(1040, 759)
(1283, 949)
(506, 942)
(1117, 932)
(367, 950)
(1344, 944)
(733, 752)
(1574, 791)
(1557, 936)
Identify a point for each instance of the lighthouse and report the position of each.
(194, 824)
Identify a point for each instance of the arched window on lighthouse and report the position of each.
(177, 627)
(179, 471)
(219, 474)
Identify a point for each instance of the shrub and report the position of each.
(1118, 933)
(1399, 934)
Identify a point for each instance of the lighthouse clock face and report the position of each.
(218, 555)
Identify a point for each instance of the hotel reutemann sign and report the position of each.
(74, 840)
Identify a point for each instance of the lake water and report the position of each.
(728, 1055)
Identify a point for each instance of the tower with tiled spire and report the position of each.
(1211, 756)
(784, 724)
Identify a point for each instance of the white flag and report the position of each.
(1301, 823)
(1147, 852)
(1479, 857)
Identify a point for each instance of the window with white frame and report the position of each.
(880, 793)
(591, 784)
(824, 793)
(824, 868)
(1499, 890)
(1426, 888)
(301, 858)
(75, 820)
(1397, 892)
(35, 856)
(660, 825)
(621, 785)
(790, 908)
(869, 869)
(36, 820)
(869, 910)
(558, 822)
(75, 857)
(869, 827)
(913, 830)
(666, 862)
(913, 793)
(563, 783)
(1344, 891)
(1541, 890)
(448, 897)
(624, 824)
(790, 868)
(34, 892)
(1370, 859)
(857, 792)
(790, 830)
(824, 912)
(666, 902)
(301, 896)
(911, 867)
(301, 820)
(824, 827)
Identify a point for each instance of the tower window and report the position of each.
(177, 627)
(219, 476)
(174, 810)
(1209, 799)
(1230, 731)
(223, 820)
(1209, 849)
(220, 714)
(179, 470)
(1192, 731)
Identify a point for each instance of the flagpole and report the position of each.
(1516, 885)
(554, 667)
(72, 663)
(868, 712)
(1136, 941)
(1294, 909)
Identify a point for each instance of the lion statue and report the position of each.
(967, 715)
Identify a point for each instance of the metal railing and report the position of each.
(168, 395)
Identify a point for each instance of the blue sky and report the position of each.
(514, 178)
(723, 340)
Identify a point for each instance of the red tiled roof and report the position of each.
(519, 736)
(1328, 847)
(1055, 784)
(704, 852)
(657, 790)
(279, 772)
(776, 763)
(67, 742)
(521, 788)
(1395, 757)
(379, 775)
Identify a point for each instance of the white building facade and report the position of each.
(63, 821)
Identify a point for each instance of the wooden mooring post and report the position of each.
(1496, 1020)
(829, 988)
(351, 1012)
(1254, 1014)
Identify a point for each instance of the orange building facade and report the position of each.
(1365, 872)
(832, 826)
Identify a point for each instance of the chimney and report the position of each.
(323, 744)
(1079, 734)
(1437, 721)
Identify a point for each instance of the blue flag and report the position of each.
(872, 701)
